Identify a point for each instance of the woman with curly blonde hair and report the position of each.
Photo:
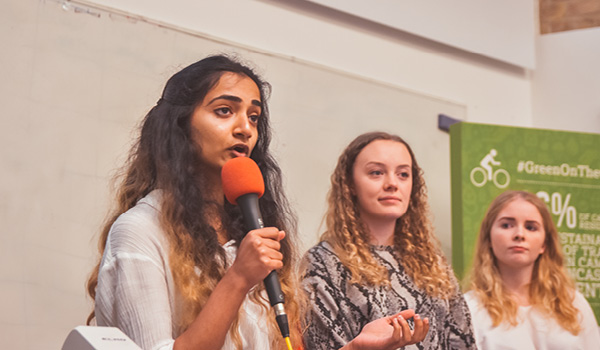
(379, 256)
(521, 296)
(178, 270)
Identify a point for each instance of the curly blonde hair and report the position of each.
(551, 289)
(414, 239)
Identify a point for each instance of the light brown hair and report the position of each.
(413, 237)
(551, 289)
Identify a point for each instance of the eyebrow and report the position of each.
(510, 218)
(234, 99)
(382, 164)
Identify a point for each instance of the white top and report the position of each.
(136, 292)
(535, 331)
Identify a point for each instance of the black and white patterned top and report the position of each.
(339, 310)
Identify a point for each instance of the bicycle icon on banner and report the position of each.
(481, 175)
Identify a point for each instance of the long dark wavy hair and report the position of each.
(414, 238)
(166, 158)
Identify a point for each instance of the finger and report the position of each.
(271, 254)
(262, 251)
(406, 314)
(271, 258)
(266, 232)
(275, 243)
(267, 244)
(272, 264)
(418, 329)
(406, 332)
(397, 331)
(425, 327)
(258, 241)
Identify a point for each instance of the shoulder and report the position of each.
(321, 249)
(146, 212)
(138, 230)
(475, 306)
(591, 331)
(480, 318)
(470, 297)
(321, 254)
(321, 263)
(581, 303)
(579, 300)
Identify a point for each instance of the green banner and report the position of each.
(563, 168)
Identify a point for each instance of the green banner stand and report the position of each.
(563, 168)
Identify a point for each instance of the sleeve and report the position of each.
(458, 324)
(590, 334)
(326, 327)
(133, 292)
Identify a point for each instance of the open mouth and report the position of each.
(240, 150)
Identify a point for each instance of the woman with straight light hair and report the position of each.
(521, 296)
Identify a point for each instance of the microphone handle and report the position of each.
(250, 211)
(273, 288)
(252, 221)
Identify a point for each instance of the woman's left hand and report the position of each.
(391, 332)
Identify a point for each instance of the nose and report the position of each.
(519, 234)
(243, 127)
(390, 182)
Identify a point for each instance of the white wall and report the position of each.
(493, 92)
(503, 30)
(566, 83)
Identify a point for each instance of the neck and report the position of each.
(214, 188)
(381, 232)
(214, 192)
(517, 281)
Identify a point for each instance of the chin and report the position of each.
(391, 216)
(398, 214)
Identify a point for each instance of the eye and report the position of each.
(376, 172)
(254, 118)
(505, 225)
(223, 111)
(404, 174)
(531, 227)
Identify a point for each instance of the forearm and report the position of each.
(209, 329)
(257, 255)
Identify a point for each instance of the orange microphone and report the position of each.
(243, 184)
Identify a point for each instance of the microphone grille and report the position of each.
(241, 176)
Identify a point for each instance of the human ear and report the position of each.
(352, 190)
